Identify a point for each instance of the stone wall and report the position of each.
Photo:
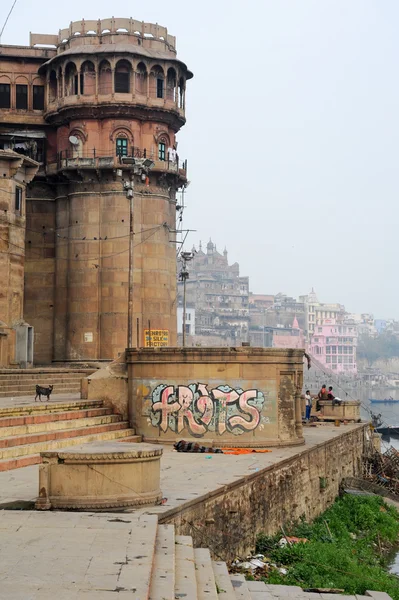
(110, 385)
(229, 520)
(246, 397)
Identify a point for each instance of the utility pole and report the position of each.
(183, 276)
(129, 186)
(141, 167)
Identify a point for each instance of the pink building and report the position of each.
(334, 346)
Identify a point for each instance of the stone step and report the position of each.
(30, 386)
(9, 464)
(54, 416)
(206, 585)
(32, 456)
(36, 443)
(14, 432)
(259, 591)
(62, 389)
(185, 578)
(45, 379)
(53, 407)
(33, 373)
(224, 587)
(240, 587)
(136, 576)
(163, 572)
(17, 379)
(134, 439)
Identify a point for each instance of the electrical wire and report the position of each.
(64, 237)
(6, 21)
(91, 258)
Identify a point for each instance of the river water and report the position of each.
(390, 416)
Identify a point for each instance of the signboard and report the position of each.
(156, 338)
(88, 337)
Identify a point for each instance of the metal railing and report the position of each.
(92, 158)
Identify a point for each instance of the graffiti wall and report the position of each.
(200, 409)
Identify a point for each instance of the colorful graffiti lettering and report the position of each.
(222, 409)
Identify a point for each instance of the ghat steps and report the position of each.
(27, 431)
(101, 556)
(180, 571)
(22, 382)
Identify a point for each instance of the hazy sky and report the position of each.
(292, 135)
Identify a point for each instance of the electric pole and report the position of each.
(141, 168)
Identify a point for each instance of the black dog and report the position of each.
(43, 391)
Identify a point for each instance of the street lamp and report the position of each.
(140, 167)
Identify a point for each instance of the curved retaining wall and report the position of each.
(221, 397)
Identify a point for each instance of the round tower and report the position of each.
(115, 96)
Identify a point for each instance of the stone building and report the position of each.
(220, 298)
(317, 312)
(16, 336)
(334, 344)
(277, 337)
(87, 104)
(277, 311)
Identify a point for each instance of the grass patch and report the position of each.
(347, 548)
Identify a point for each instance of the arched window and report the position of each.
(121, 145)
(21, 93)
(104, 78)
(122, 77)
(163, 144)
(5, 92)
(182, 91)
(171, 85)
(141, 79)
(87, 79)
(53, 86)
(71, 80)
(157, 82)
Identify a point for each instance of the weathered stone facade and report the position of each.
(229, 519)
(16, 171)
(244, 397)
(103, 96)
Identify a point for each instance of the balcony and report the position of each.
(128, 100)
(91, 159)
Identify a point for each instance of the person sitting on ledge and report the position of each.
(334, 400)
(322, 395)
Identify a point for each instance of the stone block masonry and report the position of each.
(229, 519)
(245, 397)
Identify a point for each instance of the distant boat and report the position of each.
(389, 430)
(389, 400)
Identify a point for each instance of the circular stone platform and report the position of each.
(100, 475)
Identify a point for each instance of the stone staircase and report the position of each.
(22, 382)
(180, 571)
(25, 431)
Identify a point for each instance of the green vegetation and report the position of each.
(347, 548)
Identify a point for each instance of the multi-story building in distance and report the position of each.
(220, 298)
(317, 312)
(334, 344)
